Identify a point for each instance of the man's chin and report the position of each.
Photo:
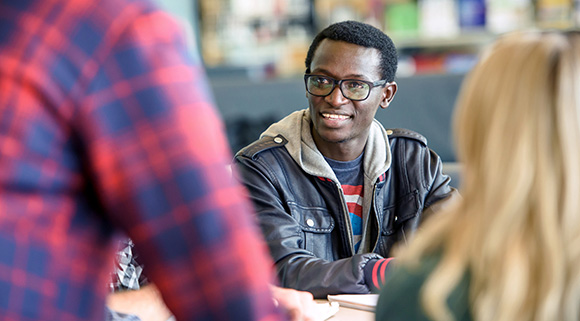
(331, 136)
(334, 139)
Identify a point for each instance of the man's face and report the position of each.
(338, 122)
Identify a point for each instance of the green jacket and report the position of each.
(399, 299)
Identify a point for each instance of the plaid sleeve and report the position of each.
(158, 155)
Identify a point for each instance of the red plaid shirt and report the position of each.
(106, 126)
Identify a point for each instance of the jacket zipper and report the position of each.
(345, 214)
(374, 207)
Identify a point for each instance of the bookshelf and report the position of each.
(254, 52)
(270, 37)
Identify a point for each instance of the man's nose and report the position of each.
(336, 98)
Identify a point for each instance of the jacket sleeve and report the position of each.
(297, 267)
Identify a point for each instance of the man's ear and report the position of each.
(388, 94)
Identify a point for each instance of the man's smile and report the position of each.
(335, 116)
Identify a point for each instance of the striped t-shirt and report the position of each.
(350, 176)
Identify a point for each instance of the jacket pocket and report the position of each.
(395, 218)
(396, 214)
(317, 225)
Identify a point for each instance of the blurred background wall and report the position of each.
(254, 53)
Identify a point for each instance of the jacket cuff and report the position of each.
(375, 272)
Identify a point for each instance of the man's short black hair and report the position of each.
(360, 34)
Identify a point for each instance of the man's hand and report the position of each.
(299, 305)
(146, 303)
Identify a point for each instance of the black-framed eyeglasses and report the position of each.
(353, 89)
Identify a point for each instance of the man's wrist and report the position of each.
(375, 272)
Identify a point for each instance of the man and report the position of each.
(107, 128)
(332, 188)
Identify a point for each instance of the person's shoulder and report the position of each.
(400, 298)
(402, 133)
(263, 144)
(122, 9)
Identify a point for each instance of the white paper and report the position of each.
(366, 302)
(325, 310)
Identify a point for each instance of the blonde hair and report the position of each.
(516, 230)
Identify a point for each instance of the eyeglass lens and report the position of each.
(351, 89)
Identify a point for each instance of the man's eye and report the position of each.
(354, 85)
(321, 80)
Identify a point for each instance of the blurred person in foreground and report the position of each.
(332, 188)
(510, 249)
(107, 128)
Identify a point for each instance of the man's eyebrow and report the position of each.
(352, 76)
(320, 70)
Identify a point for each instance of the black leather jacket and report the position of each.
(305, 220)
